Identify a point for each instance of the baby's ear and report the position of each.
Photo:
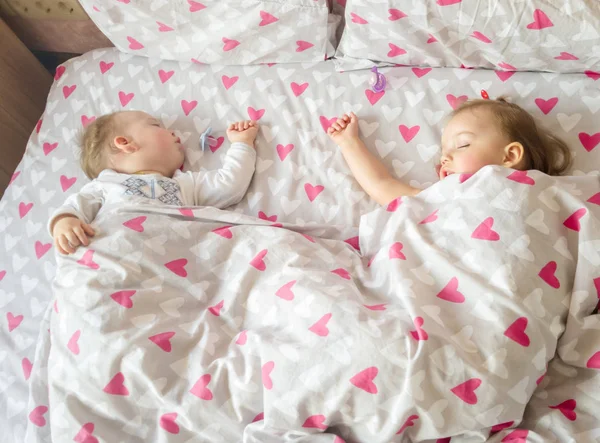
(124, 144)
(513, 154)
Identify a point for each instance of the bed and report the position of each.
(302, 185)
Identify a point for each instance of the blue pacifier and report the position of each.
(377, 80)
(205, 138)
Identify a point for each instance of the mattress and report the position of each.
(301, 177)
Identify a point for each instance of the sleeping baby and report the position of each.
(130, 155)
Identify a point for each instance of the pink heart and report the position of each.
(430, 218)
(37, 416)
(540, 378)
(177, 267)
(229, 44)
(342, 273)
(566, 56)
(165, 75)
(125, 98)
(365, 380)
(455, 102)
(2, 274)
(41, 249)
(464, 177)
(85, 434)
(188, 106)
(479, 36)
(466, 391)
(450, 292)
(420, 333)
(546, 105)
(283, 151)
(216, 309)
(228, 82)
(540, 20)
(266, 18)
(163, 28)
(167, 422)
(380, 307)
(326, 122)
(410, 421)
(547, 274)
(500, 427)
(258, 262)
(285, 292)
(134, 44)
(302, 45)
(485, 232)
(572, 222)
(393, 205)
(264, 216)
(26, 365)
(117, 385)
(136, 224)
(396, 251)
(588, 141)
(242, 339)
(595, 199)
(447, 2)
(216, 144)
(396, 14)
(315, 421)
(72, 345)
(104, 67)
(516, 436)
(504, 75)
(68, 90)
(162, 340)
(373, 97)
(567, 408)
(420, 72)
(200, 388)
(516, 331)
(259, 417)
(60, 70)
(255, 114)
(14, 177)
(123, 298)
(521, 177)
(594, 361)
(431, 39)
(320, 327)
(13, 321)
(24, 208)
(354, 242)
(395, 50)
(298, 89)
(195, 6)
(49, 147)
(66, 182)
(308, 237)
(266, 375)
(224, 232)
(593, 75)
(408, 133)
(85, 120)
(313, 191)
(88, 260)
(358, 19)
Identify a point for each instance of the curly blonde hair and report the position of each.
(543, 150)
(97, 143)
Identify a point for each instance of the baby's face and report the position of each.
(470, 141)
(157, 146)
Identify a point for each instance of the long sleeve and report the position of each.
(84, 205)
(222, 187)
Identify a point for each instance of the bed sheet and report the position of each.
(301, 177)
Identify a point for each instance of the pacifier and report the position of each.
(377, 80)
(207, 139)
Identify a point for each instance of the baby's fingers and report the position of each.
(64, 244)
(81, 236)
(88, 229)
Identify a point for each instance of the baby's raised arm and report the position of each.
(371, 174)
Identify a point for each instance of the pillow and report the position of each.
(218, 31)
(536, 35)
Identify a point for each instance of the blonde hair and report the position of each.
(543, 150)
(96, 144)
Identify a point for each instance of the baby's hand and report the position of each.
(244, 132)
(69, 232)
(344, 129)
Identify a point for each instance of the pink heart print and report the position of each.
(373, 97)
(123, 298)
(188, 106)
(567, 408)
(167, 422)
(450, 292)
(315, 421)
(283, 151)
(313, 191)
(540, 20)
(396, 14)
(13, 321)
(588, 141)
(500, 427)
(394, 204)
(358, 19)
(116, 386)
(285, 292)
(216, 309)
(88, 260)
(125, 98)
(466, 391)
(165, 75)
(266, 375)
(200, 388)
(136, 224)
(134, 44)
(408, 133)
(447, 2)
(517, 436)
(320, 327)
(516, 332)
(163, 340)
(85, 434)
(354, 242)
(85, 120)
(594, 361)
(395, 51)
(177, 267)
(68, 90)
(481, 37)
(521, 177)
(255, 114)
(72, 345)
(105, 67)
(455, 102)
(595, 199)
(464, 177)
(395, 251)
(566, 56)
(298, 89)
(24, 208)
(380, 307)
(266, 18)
(257, 262)
(410, 421)
(60, 70)
(228, 82)
(66, 182)
(41, 248)
(430, 218)
(420, 333)
(546, 105)
(27, 366)
(365, 380)
(195, 6)
(485, 232)
(242, 338)
(548, 274)
(302, 45)
(229, 44)
(36, 416)
(572, 222)
(163, 28)
(224, 232)
(342, 273)
(420, 72)
(49, 147)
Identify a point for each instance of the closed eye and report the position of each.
(463, 146)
